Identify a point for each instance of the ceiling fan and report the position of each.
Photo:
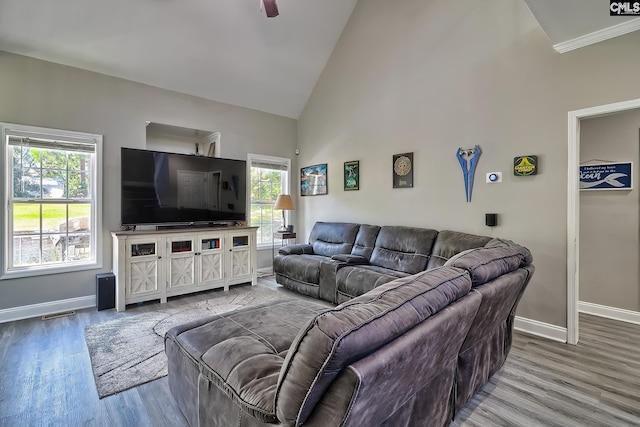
(270, 7)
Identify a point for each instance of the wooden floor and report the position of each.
(545, 383)
(46, 378)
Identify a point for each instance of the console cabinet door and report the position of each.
(210, 260)
(143, 270)
(240, 256)
(181, 264)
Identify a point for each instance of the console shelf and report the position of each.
(151, 265)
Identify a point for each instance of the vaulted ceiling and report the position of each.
(223, 50)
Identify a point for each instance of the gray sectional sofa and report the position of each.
(410, 350)
(344, 260)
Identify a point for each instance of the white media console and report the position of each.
(151, 265)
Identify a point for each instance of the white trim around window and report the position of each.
(70, 143)
(275, 163)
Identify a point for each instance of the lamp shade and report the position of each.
(284, 202)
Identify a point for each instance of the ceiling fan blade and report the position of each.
(271, 8)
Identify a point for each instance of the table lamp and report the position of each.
(284, 203)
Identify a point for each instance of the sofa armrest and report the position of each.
(327, 285)
(350, 259)
(328, 270)
(297, 249)
(408, 379)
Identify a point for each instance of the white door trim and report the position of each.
(573, 205)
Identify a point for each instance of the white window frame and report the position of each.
(6, 232)
(259, 158)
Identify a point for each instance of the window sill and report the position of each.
(43, 271)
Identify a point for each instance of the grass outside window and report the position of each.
(26, 216)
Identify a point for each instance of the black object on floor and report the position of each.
(105, 291)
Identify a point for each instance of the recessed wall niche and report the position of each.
(176, 139)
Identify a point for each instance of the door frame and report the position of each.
(573, 205)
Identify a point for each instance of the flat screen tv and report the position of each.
(161, 188)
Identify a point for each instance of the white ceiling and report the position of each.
(223, 50)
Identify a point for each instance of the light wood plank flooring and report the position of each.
(46, 378)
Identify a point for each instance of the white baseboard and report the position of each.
(609, 312)
(37, 310)
(540, 329)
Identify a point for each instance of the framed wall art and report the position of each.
(525, 165)
(403, 170)
(313, 180)
(352, 175)
(606, 176)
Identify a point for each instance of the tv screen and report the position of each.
(169, 188)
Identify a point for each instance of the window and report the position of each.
(269, 178)
(52, 221)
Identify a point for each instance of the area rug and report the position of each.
(129, 352)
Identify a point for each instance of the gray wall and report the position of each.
(430, 76)
(43, 94)
(609, 219)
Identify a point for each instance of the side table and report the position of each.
(282, 236)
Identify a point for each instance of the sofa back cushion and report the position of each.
(353, 330)
(496, 258)
(365, 241)
(504, 243)
(333, 238)
(448, 243)
(405, 249)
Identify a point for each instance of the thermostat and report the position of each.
(493, 177)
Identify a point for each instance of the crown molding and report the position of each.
(598, 36)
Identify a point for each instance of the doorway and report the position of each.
(573, 205)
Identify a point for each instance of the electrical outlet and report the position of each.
(494, 177)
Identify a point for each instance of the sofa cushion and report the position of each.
(342, 335)
(353, 281)
(487, 263)
(332, 238)
(273, 323)
(448, 243)
(503, 243)
(241, 352)
(247, 370)
(365, 240)
(405, 249)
